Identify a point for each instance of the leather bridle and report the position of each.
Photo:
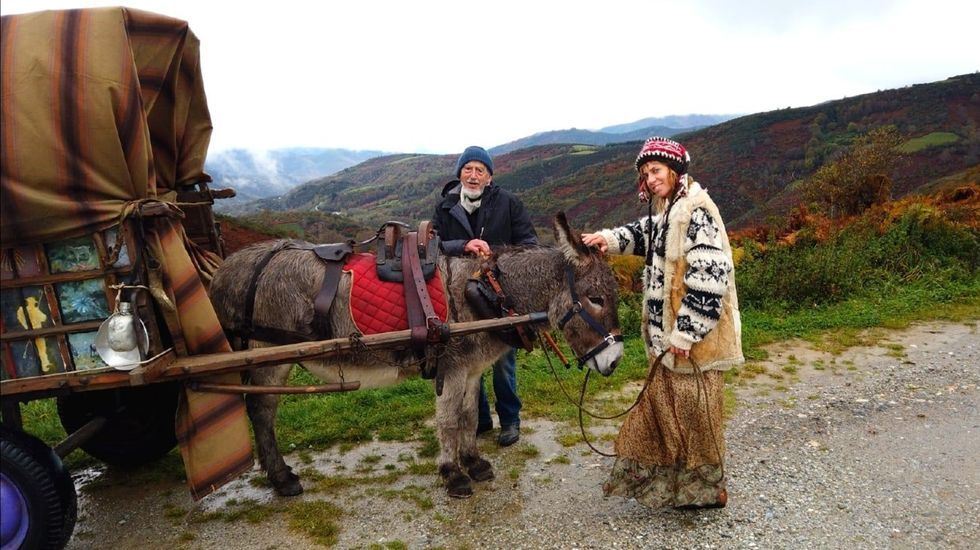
(576, 308)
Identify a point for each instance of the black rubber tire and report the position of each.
(47, 488)
(139, 427)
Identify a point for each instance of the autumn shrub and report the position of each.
(858, 177)
(806, 273)
(628, 271)
(873, 253)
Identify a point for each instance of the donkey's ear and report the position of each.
(570, 242)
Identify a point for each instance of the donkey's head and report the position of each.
(586, 309)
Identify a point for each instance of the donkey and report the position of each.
(534, 278)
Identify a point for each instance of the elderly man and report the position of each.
(473, 216)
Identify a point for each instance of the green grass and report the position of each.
(541, 393)
(248, 510)
(934, 139)
(391, 414)
(412, 493)
(317, 520)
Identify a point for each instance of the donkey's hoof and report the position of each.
(478, 468)
(459, 487)
(457, 483)
(286, 484)
(288, 489)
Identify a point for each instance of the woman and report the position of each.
(671, 447)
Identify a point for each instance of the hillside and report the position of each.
(260, 174)
(641, 129)
(586, 137)
(753, 165)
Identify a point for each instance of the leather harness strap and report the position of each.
(526, 343)
(333, 256)
(426, 328)
(248, 328)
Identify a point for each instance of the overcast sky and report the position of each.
(436, 76)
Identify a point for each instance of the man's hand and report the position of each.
(478, 247)
(595, 239)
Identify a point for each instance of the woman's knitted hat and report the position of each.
(665, 150)
(474, 153)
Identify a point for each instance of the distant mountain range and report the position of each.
(672, 121)
(641, 129)
(260, 174)
(753, 165)
(263, 174)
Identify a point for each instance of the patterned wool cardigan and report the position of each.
(690, 256)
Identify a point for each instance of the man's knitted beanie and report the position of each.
(474, 153)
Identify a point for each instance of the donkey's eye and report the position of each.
(597, 301)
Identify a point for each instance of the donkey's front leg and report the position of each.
(469, 453)
(262, 411)
(449, 410)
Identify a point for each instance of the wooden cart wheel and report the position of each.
(139, 427)
(38, 503)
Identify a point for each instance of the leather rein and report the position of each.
(575, 309)
(549, 343)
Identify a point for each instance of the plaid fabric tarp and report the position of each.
(211, 428)
(103, 109)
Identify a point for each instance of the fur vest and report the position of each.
(715, 341)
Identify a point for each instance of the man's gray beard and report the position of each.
(470, 194)
(469, 199)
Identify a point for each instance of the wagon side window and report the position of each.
(53, 298)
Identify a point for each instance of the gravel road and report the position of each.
(874, 448)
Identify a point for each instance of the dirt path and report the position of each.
(873, 448)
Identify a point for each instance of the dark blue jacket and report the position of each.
(500, 220)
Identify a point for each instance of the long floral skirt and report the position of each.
(671, 447)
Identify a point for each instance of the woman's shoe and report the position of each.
(719, 503)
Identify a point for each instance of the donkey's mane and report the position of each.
(530, 259)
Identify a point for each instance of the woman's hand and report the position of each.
(597, 240)
(681, 352)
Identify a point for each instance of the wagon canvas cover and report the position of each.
(103, 110)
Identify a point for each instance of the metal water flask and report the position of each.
(122, 329)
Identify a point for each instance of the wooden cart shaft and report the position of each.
(168, 367)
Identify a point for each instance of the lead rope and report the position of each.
(701, 390)
(581, 408)
(580, 404)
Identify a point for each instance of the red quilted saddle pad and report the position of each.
(379, 306)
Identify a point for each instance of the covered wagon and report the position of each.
(106, 213)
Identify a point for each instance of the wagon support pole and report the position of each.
(245, 388)
(172, 368)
